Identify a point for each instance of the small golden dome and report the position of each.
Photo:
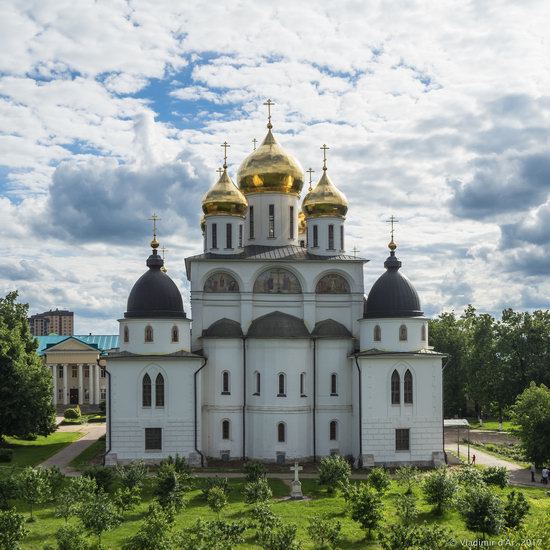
(302, 224)
(270, 169)
(224, 198)
(325, 200)
(391, 245)
(154, 243)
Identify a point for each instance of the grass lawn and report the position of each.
(507, 425)
(91, 455)
(297, 512)
(31, 453)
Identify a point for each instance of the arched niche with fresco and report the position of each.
(221, 282)
(277, 281)
(332, 283)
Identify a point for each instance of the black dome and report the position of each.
(223, 328)
(392, 295)
(154, 294)
(278, 325)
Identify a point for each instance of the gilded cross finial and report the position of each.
(355, 250)
(254, 141)
(220, 171)
(154, 243)
(393, 220)
(225, 145)
(163, 268)
(325, 149)
(310, 171)
(269, 104)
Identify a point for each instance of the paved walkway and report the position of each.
(62, 459)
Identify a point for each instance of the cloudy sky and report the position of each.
(435, 111)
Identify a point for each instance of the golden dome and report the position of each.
(270, 169)
(325, 200)
(302, 224)
(224, 198)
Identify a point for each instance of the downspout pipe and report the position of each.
(244, 398)
(314, 399)
(196, 415)
(360, 460)
(449, 357)
(108, 410)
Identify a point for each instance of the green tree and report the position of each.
(406, 509)
(440, 489)
(333, 470)
(515, 509)
(127, 498)
(56, 479)
(379, 479)
(212, 535)
(132, 474)
(170, 490)
(155, 532)
(265, 520)
(254, 470)
(282, 538)
(483, 511)
(70, 537)
(33, 487)
(407, 476)
(76, 493)
(12, 529)
(324, 532)
(531, 412)
(26, 389)
(99, 515)
(366, 507)
(8, 489)
(257, 491)
(216, 500)
(496, 475)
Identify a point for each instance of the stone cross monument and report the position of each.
(296, 490)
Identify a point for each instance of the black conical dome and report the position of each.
(392, 295)
(154, 294)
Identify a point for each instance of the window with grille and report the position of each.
(102, 394)
(146, 391)
(103, 373)
(333, 430)
(226, 429)
(333, 384)
(282, 386)
(60, 371)
(214, 235)
(331, 237)
(281, 432)
(271, 232)
(225, 383)
(291, 213)
(159, 391)
(228, 236)
(74, 371)
(251, 221)
(395, 383)
(402, 439)
(408, 388)
(315, 236)
(153, 439)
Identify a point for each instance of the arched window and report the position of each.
(126, 334)
(225, 383)
(303, 384)
(395, 384)
(175, 334)
(221, 282)
(281, 432)
(403, 333)
(282, 385)
(257, 381)
(146, 391)
(148, 333)
(159, 390)
(332, 284)
(333, 384)
(333, 430)
(226, 429)
(408, 387)
(423, 333)
(277, 281)
(377, 333)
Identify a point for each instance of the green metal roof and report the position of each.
(102, 342)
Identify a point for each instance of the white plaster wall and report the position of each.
(129, 419)
(221, 223)
(390, 334)
(381, 418)
(322, 231)
(282, 203)
(162, 335)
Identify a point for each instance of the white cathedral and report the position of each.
(285, 360)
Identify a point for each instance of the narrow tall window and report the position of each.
(271, 233)
(225, 383)
(333, 384)
(423, 333)
(257, 382)
(126, 335)
(60, 371)
(102, 373)
(205, 239)
(214, 235)
(153, 439)
(395, 383)
(240, 236)
(377, 333)
(251, 221)
(74, 371)
(281, 432)
(291, 213)
(408, 388)
(282, 386)
(315, 236)
(146, 391)
(175, 334)
(341, 237)
(331, 237)
(226, 429)
(159, 391)
(228, 236)
(148, 333)
(403, 333)
(402, 440)
(333, 430)
(303, 384)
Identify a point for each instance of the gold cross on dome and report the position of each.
(164, 249)
(225, 145)
(154, 218)
(220, 171)
(393, 220)
(254, 141)
(325, 149)
(163, 268)
(355, 250)
(310, 171)
(269, 104)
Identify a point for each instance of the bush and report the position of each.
(470, 476)
(180, 464)
(407, 476)
(440, 489)
(12, 529)
(210, 535)
(103, 407)
(8, 490)
(72, 414)
(127, 498)
(216, 500)
(282, 538)
(400, 537)
(56, 479)
(379, 479)
(366, 507)
(265, 520)
(333, 471)
(70, 537)
(254, 470)
(482, 511)
(103, 476)
(171, 488)
(6, 455)
(406, 509)
(210, 482)
(132, 474)
(515, 509)
(155, 531)
(324, 532)
(28, 437)
(496, 475)
(257, 491)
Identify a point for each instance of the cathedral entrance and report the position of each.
(73, 396)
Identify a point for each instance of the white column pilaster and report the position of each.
(98, 393)
(54, 377)
(80, 384)
(91, 383)
(65, 384)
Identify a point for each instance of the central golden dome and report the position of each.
(325, 200)
(224, 198)
(270, 169)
